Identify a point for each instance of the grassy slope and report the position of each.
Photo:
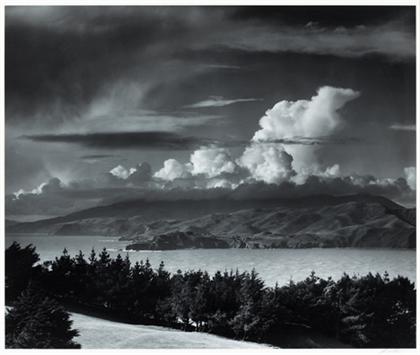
(96, 333)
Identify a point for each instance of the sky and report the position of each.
(106, 103)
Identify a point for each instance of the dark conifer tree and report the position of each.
(36, 321)
(81, 279)
(102, 280)
(20, 269)
(62, 277)
(199, 308)
(247, 322)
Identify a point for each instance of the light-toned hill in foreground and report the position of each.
(96, 333)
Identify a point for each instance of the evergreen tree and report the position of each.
(118, 276)
(102, 279)
(181, 298)
(36, 321)
(62, 276)
(199, 308)
(81, 279)
(91, 273)
(20, 269)
(247, 322)
(160, 289)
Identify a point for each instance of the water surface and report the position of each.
(273, 265)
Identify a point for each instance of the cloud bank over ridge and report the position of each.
(265, 168)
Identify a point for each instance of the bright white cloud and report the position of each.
(208, 162)
(211, 162)
(317, 117)
(410, 176)
(172, 169)
(51, 186)
(305, 118)
(267, 162)
(121, 172)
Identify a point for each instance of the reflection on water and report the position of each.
(273, 265)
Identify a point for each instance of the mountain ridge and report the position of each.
(311, 221)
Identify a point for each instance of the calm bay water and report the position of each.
(273, 265)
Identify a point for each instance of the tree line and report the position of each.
(369, 311)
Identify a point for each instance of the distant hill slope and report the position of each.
(9, 222)
(315, 221)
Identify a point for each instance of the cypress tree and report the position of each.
(36, 321)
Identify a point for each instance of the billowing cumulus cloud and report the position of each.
(267, 162)
(317, 117)
(207, 162)
(308, 118)
(172, 169)
(410, 175)
(211, 162)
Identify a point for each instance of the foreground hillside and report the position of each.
(316, 221)
(96, 333)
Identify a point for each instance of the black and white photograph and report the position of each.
(209, 176)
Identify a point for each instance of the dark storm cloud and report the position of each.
(59, 59)
(125, 140)
(296, 141)
(59, 73)
(314, 141)
(168, 141)
(328, 16)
